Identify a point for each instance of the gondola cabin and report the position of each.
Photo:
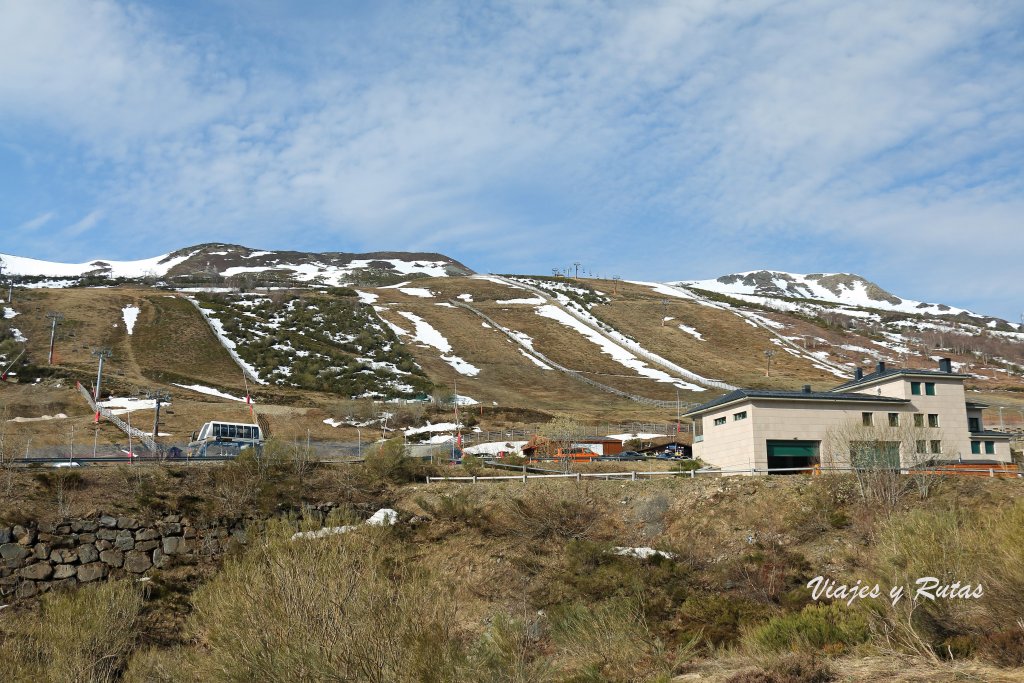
(224, 439)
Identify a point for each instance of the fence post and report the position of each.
(524, 477)
(693, 474)
(579, 477)
(632, 475)
(991, 472)
(474, 478)
(428, 478)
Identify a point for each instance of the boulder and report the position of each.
(5, 535)
(146, 546)
(63, 571)
(91, 572)
(170, 529)
(36, 572)
(115, 558)
(137, 562)
(87, 553)
(124, 541)
(108, 521)
(87, 538)
(106, 535)
(23, 535)
(63, 556)
(26, 589)
(146, 534)
(128, 523)
(175, 545)
(13, 552)
(160, 560)
(41, 551)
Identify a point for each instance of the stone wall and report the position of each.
(37, 558)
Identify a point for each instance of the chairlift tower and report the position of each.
(769, 354)
(159, 396)
(101, 354)
(55, 319)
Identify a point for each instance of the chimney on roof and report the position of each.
(945, 365)
(881, 367)
(858, 374)
(807, 388)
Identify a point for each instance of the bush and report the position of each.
(345, 607)
(508, 652)
(833, 628)
(569, 514)
(611, 641)
(387, 463)
(81, 635)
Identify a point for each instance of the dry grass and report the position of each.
(85, 635)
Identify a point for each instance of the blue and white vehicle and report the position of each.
(225, 439)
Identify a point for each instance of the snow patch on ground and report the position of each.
(495, 447)
(130, 315)
(691, 331)
(627, 437)
(367, 297)
(643, 553)
(417, 291)
(465, 297)
(120, 406)
(209, 391)
(535, 301)
(227, 343)
(9, 313)
(18, 336)
(536, 361)
(42, 418)
(425, 333)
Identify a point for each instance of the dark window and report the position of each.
(865, 419)
(719, 421)
(936, 446)
(246, 432)
(918, 420)
(256, 433)
(976, 447)
(894, 419)
(921, 447)
(974, 424)
(742, 415)
(929, 388)
(933, 420)
(915, 388)
(990, 447)
(216, 429)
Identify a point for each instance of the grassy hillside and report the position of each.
(514, 582)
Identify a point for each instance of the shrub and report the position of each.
(508, 652)
(81, 635)
(460, 507)
(611, 641)
(718, 618)
(538, 513)
(346, 607)
(833, 628)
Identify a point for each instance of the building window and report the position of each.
(865, 419)
(933, 420)
(976, 447)
(915, 388)
(929, 388)
(990, 447)
(719, 421)
(918, 420)
(921, 447)
(894, 419)
(742, 415)
(936, 446)
(973, 424)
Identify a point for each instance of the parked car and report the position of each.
(630, 456)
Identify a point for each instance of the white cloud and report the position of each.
(753, 133)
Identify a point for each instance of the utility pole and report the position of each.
(577, 265)
(102, 354)
(664, 310)
(55, 319)
(768, 356)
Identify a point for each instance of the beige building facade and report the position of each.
(903, 416)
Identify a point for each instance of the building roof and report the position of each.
(894, 372)
(771, 394)
(975, 404)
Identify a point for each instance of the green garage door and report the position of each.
(784, 454)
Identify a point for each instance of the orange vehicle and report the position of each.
(575, 454)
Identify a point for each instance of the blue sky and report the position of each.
(649, 140)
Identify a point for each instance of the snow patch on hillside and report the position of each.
(209, 391)
(691, 331)
(20, 265)
(425, 333)
(130, 315)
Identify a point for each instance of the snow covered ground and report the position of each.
(130, 315)
(425, 333)
(158, 265)
(210, 391)
(227, 343)
(8, 313)
(617, 352)
(120, 406)
(417, 291)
